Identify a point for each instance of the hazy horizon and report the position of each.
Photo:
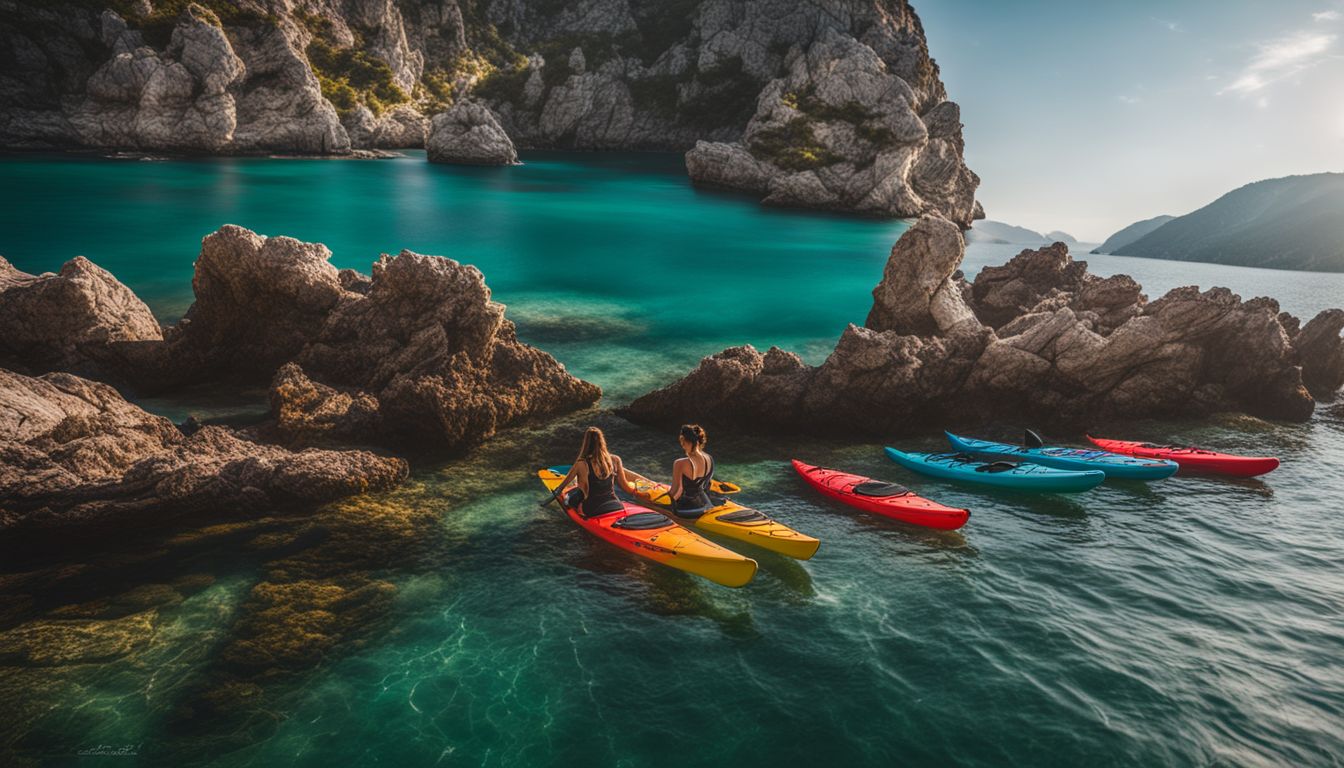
(1087, 118)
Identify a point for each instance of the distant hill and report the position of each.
(1296, 222)
(1057, 236)
(986, 231)
(1131, 233)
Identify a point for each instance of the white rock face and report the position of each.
(469, 134)
(842, 131)
(177, 99)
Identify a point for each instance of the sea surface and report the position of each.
(453, 621)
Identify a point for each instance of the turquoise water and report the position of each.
(1194, 621)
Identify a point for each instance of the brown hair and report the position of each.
(694, 434)
(594, 451)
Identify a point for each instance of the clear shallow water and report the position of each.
(1191, 622)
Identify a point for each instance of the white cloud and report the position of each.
(1325, 16)
(1131, 100)
(1281, 58)
(1172, 26)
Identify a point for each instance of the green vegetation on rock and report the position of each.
(350, 76)
(793, 146)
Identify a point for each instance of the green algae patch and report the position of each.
(58, 643)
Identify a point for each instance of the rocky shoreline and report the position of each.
(826, 104)
(415, 356)
(1038, 340)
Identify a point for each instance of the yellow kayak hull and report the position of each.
(672, 545)
(734, 521)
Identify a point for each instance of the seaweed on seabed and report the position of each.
(315, 603)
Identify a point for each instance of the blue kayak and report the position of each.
(1082, 459)
(1020, 476)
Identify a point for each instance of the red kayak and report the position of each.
(886, 499)
(1193, 459)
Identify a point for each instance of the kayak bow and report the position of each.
(1192, 459)
(1114, 465)
(879, 498)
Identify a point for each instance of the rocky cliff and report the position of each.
(821, 103)
(1037, 340)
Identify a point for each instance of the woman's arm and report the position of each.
(581, 478)
(623, 476)
(678, 467)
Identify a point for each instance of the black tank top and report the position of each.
(695, 493)
(601, 494)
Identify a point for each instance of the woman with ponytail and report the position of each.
(691, 475)
(597, 471)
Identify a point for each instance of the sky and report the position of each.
(1087, 116)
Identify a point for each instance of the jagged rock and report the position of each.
(439, 355)
(842, 130)
(77, 320)
(258, 302)
(175, 99)
(1003, 293)
(1321, 351)
(400, 128)
(280, 102)
(417, 353)
(75, 456)
(917, 294)
(469, 133)
(307, 412)
(1069, 349)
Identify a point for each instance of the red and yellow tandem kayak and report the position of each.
(653, 536)
(1192, 459)
(881, 498)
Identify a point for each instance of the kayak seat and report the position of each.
(642, 521)
(879, 489)
(996, 466)
(691, 513)
(744, 516)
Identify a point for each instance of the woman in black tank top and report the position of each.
(691, 475)
(597, 471)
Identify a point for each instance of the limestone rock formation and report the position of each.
(1037, 340)
(400, 128)
(79, 319)
(75, 76)
(418, 353)
(820, 103)
(843, 130)
(468, 133)
(74, 455)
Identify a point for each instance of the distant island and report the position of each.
(1290, 223)
(1131, 233)
(987, 231)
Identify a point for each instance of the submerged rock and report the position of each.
(75, 456)
(469, 134)
(1038, 339)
